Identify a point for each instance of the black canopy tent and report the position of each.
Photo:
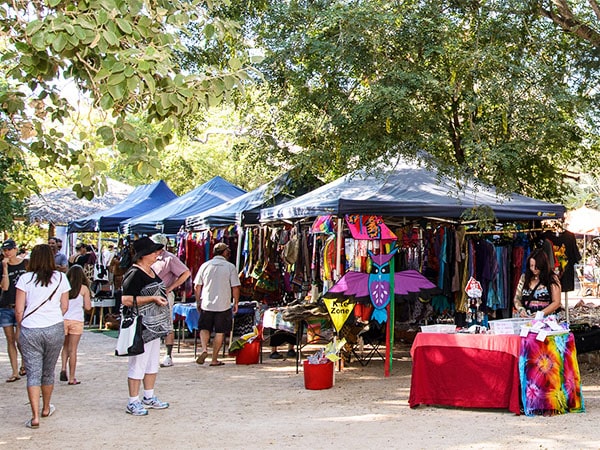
(409, 190)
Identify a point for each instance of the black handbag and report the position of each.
(130, 341)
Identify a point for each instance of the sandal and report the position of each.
(63, 376)
(51, 411)
(74, 382)
(13, 379)
(30, 424)
(22, 371)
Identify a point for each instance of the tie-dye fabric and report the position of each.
(550, 379)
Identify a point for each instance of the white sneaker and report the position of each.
(154, 403)
(136, 409)
(167, 362)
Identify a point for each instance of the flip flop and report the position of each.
(220, 363)
(200, 359)
(30, 424)
(22, 371)
(63, 376)
(50, 411)
(13, 379)
(74, 382)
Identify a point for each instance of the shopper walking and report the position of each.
(79, 300)
(216, 285)
(41, 300)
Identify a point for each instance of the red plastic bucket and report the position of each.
(318, 376)
(249, 353)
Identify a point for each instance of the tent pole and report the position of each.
(338, 262)
(238, 258)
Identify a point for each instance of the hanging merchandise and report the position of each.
(564, 246)
(323, 224)
(369, 228)
(475, 316)
(339, 310)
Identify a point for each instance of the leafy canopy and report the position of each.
(121, 55)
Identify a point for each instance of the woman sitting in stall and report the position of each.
(539, 287)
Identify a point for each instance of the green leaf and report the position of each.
(59, 42)
(117, 91)
(116, 78)
(53, 3)
(106, 102)
(229, 82)
(209, 31)
(123, 25)
(165, 100)
(149, 80)
(79, 32)
(33, 27)
(38, 41)
(133, 83)
(107, 135)
(84, 23)
(235, 63)
(110, 37)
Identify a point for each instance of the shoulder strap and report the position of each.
(530, 296)
(47, 300)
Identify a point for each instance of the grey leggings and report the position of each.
(41, 348)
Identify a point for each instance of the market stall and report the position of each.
(497, 371)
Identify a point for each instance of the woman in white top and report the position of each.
(41, 300)
(79, 299)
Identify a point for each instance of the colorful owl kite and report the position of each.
(377, 285)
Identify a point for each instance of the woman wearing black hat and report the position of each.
(142, 284)
(12, 268)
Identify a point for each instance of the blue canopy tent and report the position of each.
(409, 190)
(142, 199)
(242, 210)
(170, 217)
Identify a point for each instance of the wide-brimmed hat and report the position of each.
(9, 244)
(144, 246)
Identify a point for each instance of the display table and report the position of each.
(188, 312)
(464, 370)
(100, 302)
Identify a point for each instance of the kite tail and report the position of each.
(380, 315)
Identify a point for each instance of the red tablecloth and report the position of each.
(473, 371)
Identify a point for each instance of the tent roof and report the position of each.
(243, 209)
(142, 199)
(61, 206)
(169, 217)
(408, 191)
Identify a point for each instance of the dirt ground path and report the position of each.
(266, 406)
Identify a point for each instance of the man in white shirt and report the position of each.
(216, 285)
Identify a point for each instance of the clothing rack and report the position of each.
(524, 230)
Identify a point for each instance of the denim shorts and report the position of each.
(7, 317)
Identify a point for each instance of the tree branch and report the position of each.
(567, 21)
(595, 7)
